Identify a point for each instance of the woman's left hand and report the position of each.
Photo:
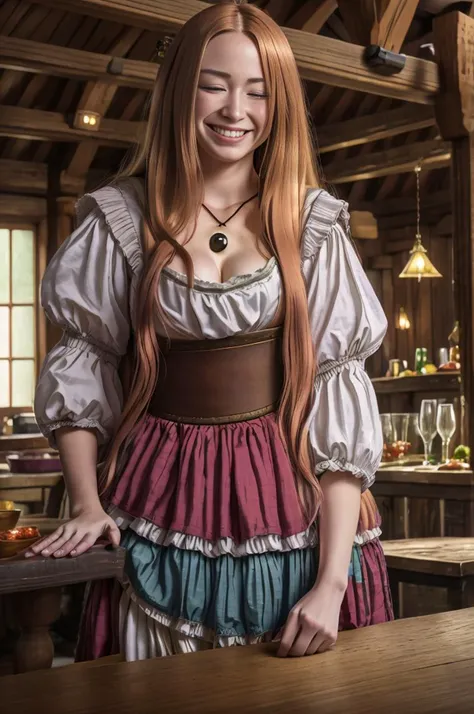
(312, 625)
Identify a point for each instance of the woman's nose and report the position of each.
(234, 108)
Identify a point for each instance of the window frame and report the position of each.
(40, 237)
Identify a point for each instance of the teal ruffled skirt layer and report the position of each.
(233, 597)
(251, 596)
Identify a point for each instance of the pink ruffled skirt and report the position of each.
(218, 551)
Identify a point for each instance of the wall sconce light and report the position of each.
(402, 321)
(88, 121)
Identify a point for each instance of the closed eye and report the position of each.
(213, 89)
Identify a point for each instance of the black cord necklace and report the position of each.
(219, 241)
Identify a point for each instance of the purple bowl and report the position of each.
(31, 463)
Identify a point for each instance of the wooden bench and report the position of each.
(430, 575)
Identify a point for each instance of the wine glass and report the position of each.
(427, 426)
(446, 426)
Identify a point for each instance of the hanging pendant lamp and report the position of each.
(419, 265)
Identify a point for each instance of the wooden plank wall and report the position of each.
(429, 304)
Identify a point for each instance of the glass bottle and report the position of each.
(454, 351)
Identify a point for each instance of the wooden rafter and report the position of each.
(320, 59)
(312, 15)
(378, 22)
(35, 124)
(30, 177)
(394, 24)
(21, 207)
(435, 154)
(440, 200)
(380, 125)
(277, 9)
(97, 97)
(43, 58)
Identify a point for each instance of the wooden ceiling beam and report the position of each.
(42, 58)
(394, 23)
(433, 154)
(19, 208)
(312, 15)
(277, 9)
(38, 125)
(320, 59)
(378, 22)
(380, 125)
(30, 177)
(97, 97)
(441, 200)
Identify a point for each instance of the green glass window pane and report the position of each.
(23, 383)
(4, 265)
(23, 266)
(23, 332)
(4, 332)
(4, 383)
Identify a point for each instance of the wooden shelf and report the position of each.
(438, 382)
(408, 475)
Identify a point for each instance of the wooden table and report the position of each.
(421, 666)
(424, 504)
(35, 589)
(429, 575)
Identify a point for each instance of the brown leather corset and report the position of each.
(219, 381)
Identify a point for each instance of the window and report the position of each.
(18, 317)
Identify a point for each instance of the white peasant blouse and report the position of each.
(89, 290)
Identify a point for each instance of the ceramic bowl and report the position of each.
(9, 519)
(9, 548)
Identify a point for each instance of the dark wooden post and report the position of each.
(60, 223)
(454, 45)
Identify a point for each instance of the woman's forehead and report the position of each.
(233, 53)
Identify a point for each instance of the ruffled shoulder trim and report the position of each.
(324, 212)
(120, 204)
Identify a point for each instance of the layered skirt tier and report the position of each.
(218, 550)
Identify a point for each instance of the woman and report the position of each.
(235, 432)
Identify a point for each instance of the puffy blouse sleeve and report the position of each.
(347, 325)
(85, 291)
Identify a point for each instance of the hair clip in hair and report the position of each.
(162, 45)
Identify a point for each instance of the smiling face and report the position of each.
(231, 109)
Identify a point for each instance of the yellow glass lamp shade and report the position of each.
(419, 265)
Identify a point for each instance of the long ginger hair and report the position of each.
(174, 190)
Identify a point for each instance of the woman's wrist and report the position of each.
(79, 508)
(336, 582)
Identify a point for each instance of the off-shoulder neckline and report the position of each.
(234, 283)
(237, 282)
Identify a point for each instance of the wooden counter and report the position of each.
(424, 504)
(20, 442)
(32, 589)
(38, 492)
(420, 665)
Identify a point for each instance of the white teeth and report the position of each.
(226, 132)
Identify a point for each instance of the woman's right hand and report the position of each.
(77, 535)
